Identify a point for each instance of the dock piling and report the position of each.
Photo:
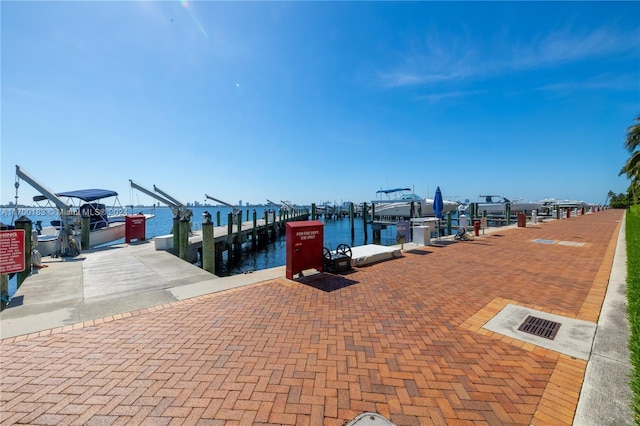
(176, 234)
(25, 223)
(208, 244)
(84, 232)
(183, 251)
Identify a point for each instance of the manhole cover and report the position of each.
(540, 327)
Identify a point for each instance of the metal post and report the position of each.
(218, 218)
(24, 222)
(208, 244)
(449, 220)
(313, 211)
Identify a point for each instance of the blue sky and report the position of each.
(319, 101)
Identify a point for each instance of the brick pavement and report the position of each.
(402, 338)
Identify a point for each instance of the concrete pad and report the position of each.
(373, 253)
(574, 337)
(100, 308)
(33, 323)
(188, 291)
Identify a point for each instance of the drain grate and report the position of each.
(540, 327)
(542, 241)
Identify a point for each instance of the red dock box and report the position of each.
(304, 246)
(135, 227)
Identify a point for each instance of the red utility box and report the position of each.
(304, 246)
(134, 227)
(522, 220)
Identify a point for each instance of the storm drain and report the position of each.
(541, 241)
(540, 327)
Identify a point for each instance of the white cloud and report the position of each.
(453, 58)
(438, 97)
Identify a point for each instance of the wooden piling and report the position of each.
(176, 234)
(254, 232)
(25, 223)
(239, 235)
(352, 221)
(184, 238)
(4, 291)
(364, 220)
(208, 244)
(85, 231)
(229, 229)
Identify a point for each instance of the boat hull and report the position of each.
(47, 239)
(494, 209)
(403, 209)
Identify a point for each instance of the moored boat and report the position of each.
(396, 203)
(495, 205)
(62, 237)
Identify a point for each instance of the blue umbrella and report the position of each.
(438, 204)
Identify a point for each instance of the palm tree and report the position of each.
(632, 166)
(633, 136)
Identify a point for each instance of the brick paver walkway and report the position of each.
(402, 338)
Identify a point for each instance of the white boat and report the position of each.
(495, 205)
(106, 224)
(550, 205)
(396, 203)
(63, 236)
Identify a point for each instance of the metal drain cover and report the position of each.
(540, 327)
(543, 241)
(369, 418)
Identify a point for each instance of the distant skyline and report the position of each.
(319, 101)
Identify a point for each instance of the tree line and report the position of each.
(631, 169)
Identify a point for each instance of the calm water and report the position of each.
(336, 232)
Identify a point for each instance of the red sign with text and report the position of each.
(12, 251)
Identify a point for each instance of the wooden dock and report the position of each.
(230, 238)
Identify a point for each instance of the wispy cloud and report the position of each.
(455, 58)
(604, 82)
(563, 47)
(438, 97)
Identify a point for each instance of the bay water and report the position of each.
(336, 231)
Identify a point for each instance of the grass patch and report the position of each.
(633, 298)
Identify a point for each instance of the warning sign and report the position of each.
(12, 251)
